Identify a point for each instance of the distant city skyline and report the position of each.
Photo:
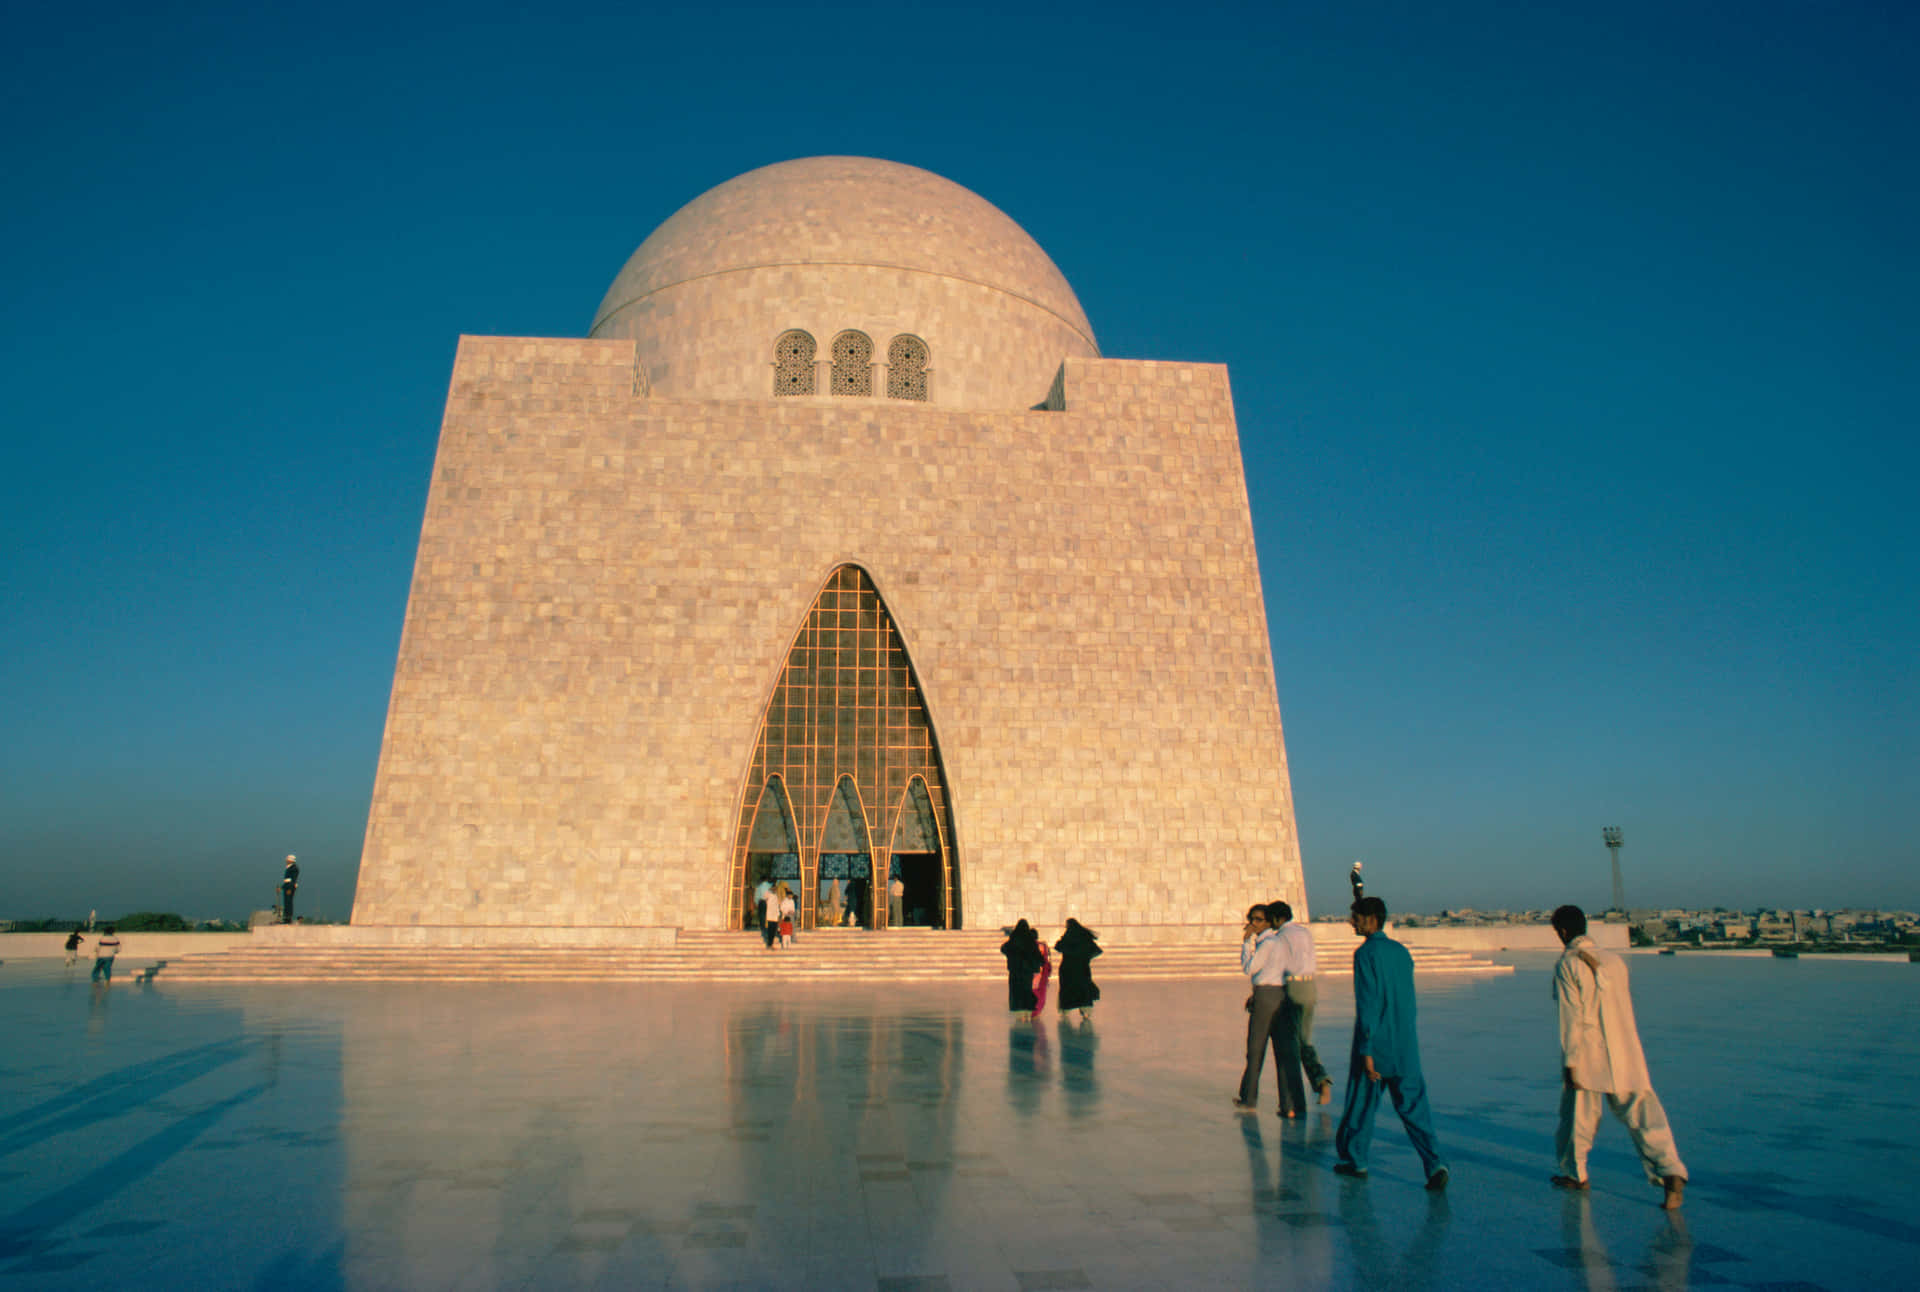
(1572, 356)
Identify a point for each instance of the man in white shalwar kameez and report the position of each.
(1603, 1063)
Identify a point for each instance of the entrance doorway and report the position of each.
(773, 851)
(920, 875)
(847, 737)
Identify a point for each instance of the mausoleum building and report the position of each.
(835, 554)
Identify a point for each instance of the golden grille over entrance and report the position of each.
(847, 730)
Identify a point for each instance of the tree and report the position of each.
(152, 922)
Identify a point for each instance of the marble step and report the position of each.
(729, 957)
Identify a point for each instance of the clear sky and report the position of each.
(1574, 350)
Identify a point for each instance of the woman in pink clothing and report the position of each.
(1041, 977)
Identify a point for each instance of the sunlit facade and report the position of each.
(835, 554)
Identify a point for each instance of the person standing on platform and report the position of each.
(1303, 995)
(896, 902)
(289, 884)
(1386, 1050)
(1602, 1063)
(105, 948)
(1077, 947)
(73, 947)
(1359, 884)
(1022, 950)
(1260, 960)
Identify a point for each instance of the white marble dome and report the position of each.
(831, 246)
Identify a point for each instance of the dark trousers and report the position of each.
(1267, 1003)
(766, 925)
(1409, 1093)
(1285, 1041)
(286, 903)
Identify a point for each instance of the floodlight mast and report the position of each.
(1611, 834)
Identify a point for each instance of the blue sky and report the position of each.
(1574, 352)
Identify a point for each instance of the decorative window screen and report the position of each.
(907, 368)
(793, 364)
(853, 364)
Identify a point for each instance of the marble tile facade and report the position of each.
(608, 581)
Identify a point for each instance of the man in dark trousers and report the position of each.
(1386, 1050)
(289, 881)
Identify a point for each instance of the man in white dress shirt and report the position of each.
(1604, 1065)
(1262, 959)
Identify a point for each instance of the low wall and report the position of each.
(1506, 937)
(135, 948)
(450, 935)
(145, 948)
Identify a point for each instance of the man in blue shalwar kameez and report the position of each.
(1386, 1050)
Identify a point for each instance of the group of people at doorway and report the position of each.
(1602, 1065)
(774, 906)
(1030, 970)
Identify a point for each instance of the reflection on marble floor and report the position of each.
(630, 1136)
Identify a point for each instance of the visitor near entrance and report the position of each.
(762, 893)
(896, 901)
(1024, 959)
(1386, 1050)
(105, 948)
(1077, 946)
(785, 912)
(1602, 1063)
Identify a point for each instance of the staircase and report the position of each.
(901, 955)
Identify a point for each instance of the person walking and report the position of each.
(1260, 960)
(73, 947)
(1043, 976)
(1386, 1050)
(105, 948)
(289, 884)
(896, 902)
(1602, 1063)
(1301, 963)
(1077, 947)
(1022, 950)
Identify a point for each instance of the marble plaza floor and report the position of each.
(414, 1137)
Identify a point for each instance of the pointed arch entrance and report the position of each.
(773, 846)
(917, 858)
(846, 737)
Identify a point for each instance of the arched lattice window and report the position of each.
(907, 368)
(793, 364)
(853, 364)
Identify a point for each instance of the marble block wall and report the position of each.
(608, 583)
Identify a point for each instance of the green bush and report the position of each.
(151, 922)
